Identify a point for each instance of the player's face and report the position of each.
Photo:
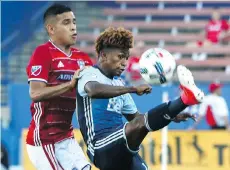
(215, 16)
(65, 28)
(116, 61)
(218, 91)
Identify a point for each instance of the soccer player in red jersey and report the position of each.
(52, 75)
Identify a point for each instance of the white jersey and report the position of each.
(216, 106)
(99, 118)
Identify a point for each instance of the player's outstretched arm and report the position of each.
(98, 90)
(39, 90)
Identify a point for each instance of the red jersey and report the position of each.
(214, 28)
(52, 119)
(133, 68)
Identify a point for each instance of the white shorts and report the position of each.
(65, 155)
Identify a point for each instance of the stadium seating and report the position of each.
(177, 31)
(173, 23)
(149, 25)
(175, 49)
(164, 12)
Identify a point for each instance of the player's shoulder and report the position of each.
(41, 52)
(80, 55)
(90, 71)
(222, 99)
(78, 52)
(42, 48)
(211, 98)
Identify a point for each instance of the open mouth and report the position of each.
(74, 35)
(121, 70)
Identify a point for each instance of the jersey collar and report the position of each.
(96, 66)
(60, 49)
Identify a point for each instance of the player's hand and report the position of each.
(143, 89)
(184, 117)
(75, 78)
(77, 72)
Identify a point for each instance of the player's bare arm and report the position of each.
(98, 90)
(39, 90)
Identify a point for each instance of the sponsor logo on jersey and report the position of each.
(166, 116)
(65, 77)
(81, 63)
(36, 70)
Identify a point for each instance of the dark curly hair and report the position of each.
(114, 38)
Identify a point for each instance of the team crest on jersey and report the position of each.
(81, 63)
(36, 70)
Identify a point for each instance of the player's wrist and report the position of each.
(132, 89)
(72, 84)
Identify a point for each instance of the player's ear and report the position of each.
(103, 55)
(50, 29)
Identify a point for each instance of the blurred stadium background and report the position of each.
(167, 24)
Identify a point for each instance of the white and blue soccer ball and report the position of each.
(157, 66)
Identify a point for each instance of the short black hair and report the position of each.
(54, 10)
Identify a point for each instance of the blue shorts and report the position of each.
(113, 153)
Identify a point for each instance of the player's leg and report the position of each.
(42, 157)
(138, 163)
(162, 115)
(111, 153)
(71, 156)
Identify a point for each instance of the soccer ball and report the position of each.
(157, 66)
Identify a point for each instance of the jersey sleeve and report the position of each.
(86, 76)
(39, 65)
(224, 25)
(129, 106)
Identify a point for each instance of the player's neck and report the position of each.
(103, 71)
(64, 48)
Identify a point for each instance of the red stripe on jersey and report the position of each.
(209, 117)
(37, 117)
(52, 118)
(50, 156)
(52, 149)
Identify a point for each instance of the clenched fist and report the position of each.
(143, 89)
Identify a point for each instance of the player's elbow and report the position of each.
(94, 93)
(34, 97)
(91, 94)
